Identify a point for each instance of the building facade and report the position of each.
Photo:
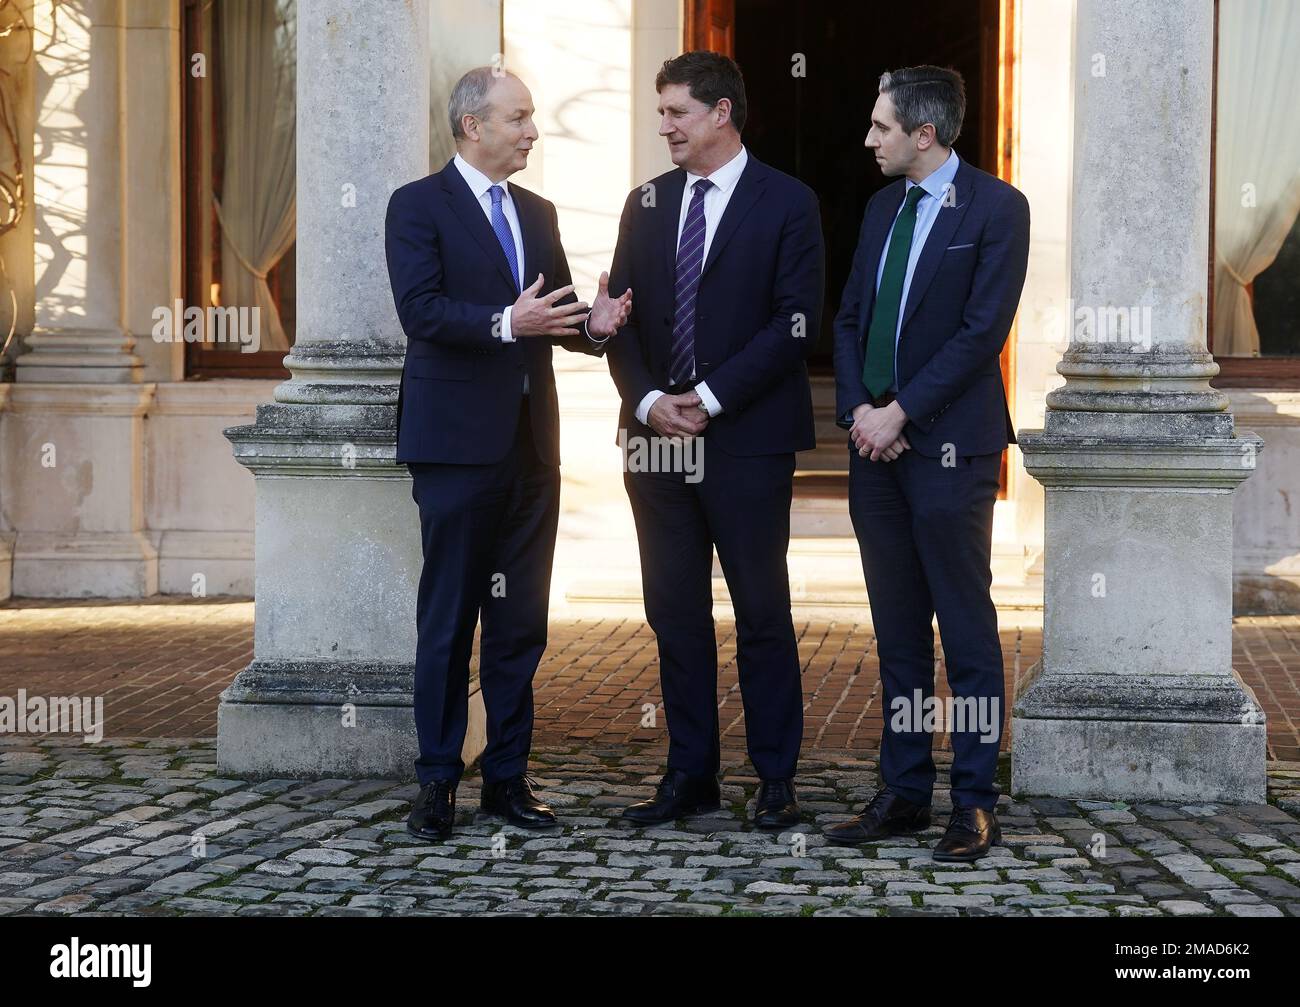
(155, 157)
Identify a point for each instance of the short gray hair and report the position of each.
(469, 96)
(924, 94)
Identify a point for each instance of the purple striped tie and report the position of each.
(690, 259)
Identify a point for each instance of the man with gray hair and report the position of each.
(935, 283)
(483, 291)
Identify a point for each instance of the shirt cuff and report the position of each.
(710, 403)
(643, 410)
(594, 340)
(506, 337)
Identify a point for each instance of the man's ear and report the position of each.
(723, 107)
(925, 137)
(469, 126)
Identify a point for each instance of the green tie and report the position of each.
(878, 371)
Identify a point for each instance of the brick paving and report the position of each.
(143, 824)
(160, 666)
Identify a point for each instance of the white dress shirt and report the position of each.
(481, 186)
(715, 203)
(937, 186)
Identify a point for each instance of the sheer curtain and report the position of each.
(256, 211)
(1258, 157)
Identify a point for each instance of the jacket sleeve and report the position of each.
(623, 351)
(849, 361)
(797, 297)
(986, 320)
(416, 276)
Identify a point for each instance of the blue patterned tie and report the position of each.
(690, 259)
(501, 227)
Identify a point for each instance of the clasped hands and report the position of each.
(878, 433)
(540, 316)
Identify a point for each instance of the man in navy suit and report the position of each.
(935, 283)
(478, 428)
(726, 257)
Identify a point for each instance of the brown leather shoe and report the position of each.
(971, 831)
(886, 815)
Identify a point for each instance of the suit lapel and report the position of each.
(471, 214)
(533, 223)
(748, 189)
(877, 232)
(941, 232)
(669, 206)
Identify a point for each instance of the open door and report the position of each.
(711, 26)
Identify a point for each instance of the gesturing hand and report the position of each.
(608, 315)
(678, 415)
(538, 316)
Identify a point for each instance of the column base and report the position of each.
(1150, 737)
(313, 719)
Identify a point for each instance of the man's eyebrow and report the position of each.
(878, 124)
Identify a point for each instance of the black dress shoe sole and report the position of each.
(901, 830)
(966, 858)
(519, 822)
(694, 811)
(776, 826)
(432, 837)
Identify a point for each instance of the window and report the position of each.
(1255, 234)
(239, 166)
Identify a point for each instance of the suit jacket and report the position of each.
(960, 305)
(758, 308)
(462, 385)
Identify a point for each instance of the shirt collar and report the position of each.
(942, 176)
(726, 177)
(478, 182)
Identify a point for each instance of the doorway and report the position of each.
(811, 70)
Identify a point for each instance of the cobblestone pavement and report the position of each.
(161, 664)
(149, 828)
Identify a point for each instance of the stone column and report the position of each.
(1135, 697)
(72, 437)
(337, 534)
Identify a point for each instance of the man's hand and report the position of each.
(678, 415)
(538, 316)
(878, 433)
(608, 315)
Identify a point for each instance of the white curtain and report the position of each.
(1257, 157)
(256, 211)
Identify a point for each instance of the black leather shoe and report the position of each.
(777, 807)
(678, 795)
(514, 799)
(886, 815)
(971, 831)
(434, 811)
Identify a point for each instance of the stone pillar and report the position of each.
(1135, 696)
(72, 437)
(337, 563)
(78, 185)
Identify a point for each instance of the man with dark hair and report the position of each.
(483, 291)
(726, 257)
(935, 283)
